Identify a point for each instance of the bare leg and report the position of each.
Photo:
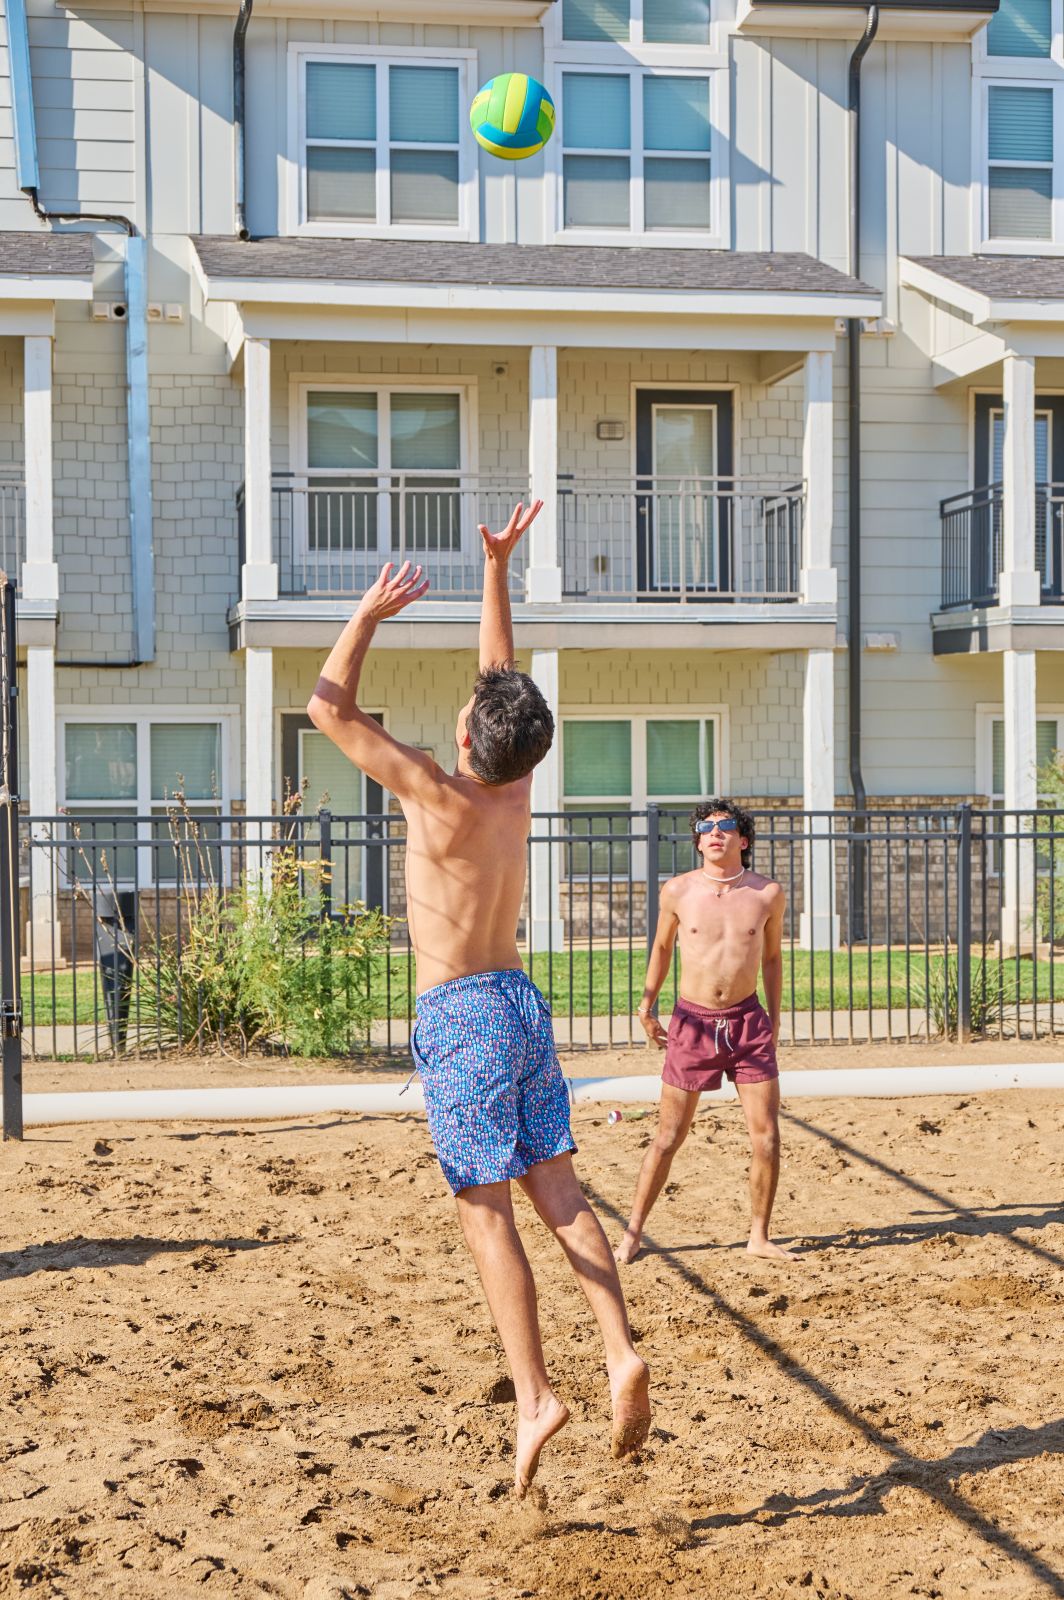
(761, 1104)
(675, 1116)
(486, 1214)
(553, 1189)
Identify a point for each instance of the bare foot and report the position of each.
(629, 1386)
(532, 1435)
(628, 1248)
(770, 1251)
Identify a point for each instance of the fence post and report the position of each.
(325, 855)
(653, 840)
(10, 966)
(964, 925)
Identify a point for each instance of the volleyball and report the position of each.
(512, 116)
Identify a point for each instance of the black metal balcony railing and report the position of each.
(649, 538)
(972, 537)
(12, 523)
(681, 539)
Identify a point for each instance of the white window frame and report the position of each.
(1004, 66)
(295, 219)
(303, 384)
(1024, 72)
(986, 714)
(142, 717)
(638, 717)
(721, 23)
(637, 60)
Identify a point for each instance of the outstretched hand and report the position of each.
(390, 595)
(497, 546)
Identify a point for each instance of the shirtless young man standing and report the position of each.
(729, 921)
(497, 1104)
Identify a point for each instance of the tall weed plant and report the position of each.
(254, 964)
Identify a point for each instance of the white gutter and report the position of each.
(272, 1104)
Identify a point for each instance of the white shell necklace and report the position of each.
(723, 882)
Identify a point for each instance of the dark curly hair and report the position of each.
(726, 808)
(510, 725)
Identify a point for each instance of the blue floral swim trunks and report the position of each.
(494, 1092)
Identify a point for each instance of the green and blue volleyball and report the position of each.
(512, 116)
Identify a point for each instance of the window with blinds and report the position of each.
(636, 21)
(611, 767)
(1020, 153)
(1047, 741)
(637, 152)
(386, 469)
(382, 143)
(117, 771)
(1021, 28)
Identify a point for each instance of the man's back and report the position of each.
(466, 855)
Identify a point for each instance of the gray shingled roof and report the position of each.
(1001, 277)
(57, 255)
(521, 266)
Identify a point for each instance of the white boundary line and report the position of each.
(268, 1104)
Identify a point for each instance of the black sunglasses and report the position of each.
(725, 824)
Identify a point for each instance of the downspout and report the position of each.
(858, 927)
(239, 104)
(142, 559)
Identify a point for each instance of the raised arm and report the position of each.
(772, 961)
(658, 968)
(496, 624)
(334, 707)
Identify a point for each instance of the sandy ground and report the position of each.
(182, 1072)
(256, 1361)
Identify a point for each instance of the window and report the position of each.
(637, 152)
(1021, 28)
(1020, 162)
(613, 765)
(1019, 59)
(636, 21)
(382, 146)
(116, 771)
(1047, 740)
(384, 467)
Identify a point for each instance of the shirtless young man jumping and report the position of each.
(729, 921)
(497, 1104)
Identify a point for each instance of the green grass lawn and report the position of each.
(598, 983)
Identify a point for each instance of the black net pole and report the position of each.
(10, 984)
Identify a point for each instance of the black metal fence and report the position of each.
(900, 924)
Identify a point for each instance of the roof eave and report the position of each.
(900, 20)
(985, 310)
(563, 298)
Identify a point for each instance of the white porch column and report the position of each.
(1021, 794)
(818, 579)
(42, 937)
(819, 924)
(1020, 584)
(40, 582)
(545, 869)
(40, 575)
(259, 577)
(258, 749)
(543, 576)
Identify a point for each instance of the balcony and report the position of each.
(682, 541)
(12, 523)
(972, 546)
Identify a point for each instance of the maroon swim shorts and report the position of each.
(704, 1045)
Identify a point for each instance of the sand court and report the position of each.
(256, 1359)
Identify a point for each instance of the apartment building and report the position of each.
(297, 336)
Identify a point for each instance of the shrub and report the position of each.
(256, 964)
